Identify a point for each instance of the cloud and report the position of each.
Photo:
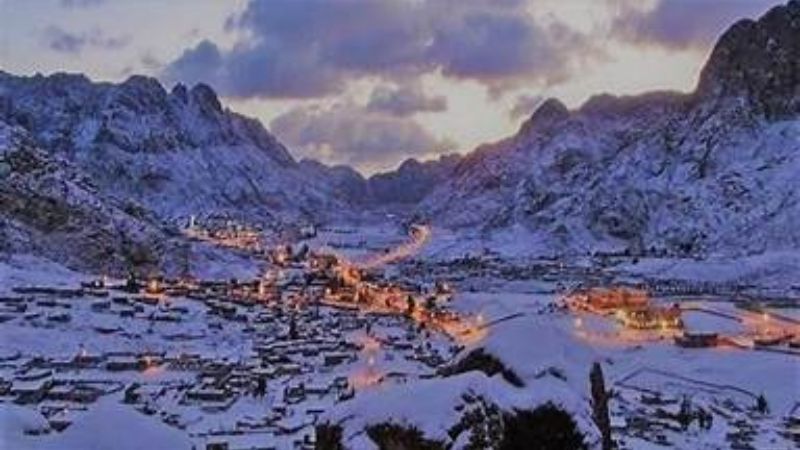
(346, 133)
(150, 62)
(404, 100)
(525, 105)
(81, 3)
(313, 48)
(681, 24)
(62, 41)
(245, 72)
(493, 47)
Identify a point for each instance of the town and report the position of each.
(255, 363)
(263, 357)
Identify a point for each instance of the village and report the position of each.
(283, 348)
(642, 308)
(255, 363)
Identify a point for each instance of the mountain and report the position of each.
(51, 208)
(176, 153)
(398, 188)
(411, 181)
(713, 171)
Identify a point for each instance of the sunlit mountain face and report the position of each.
(407, 224)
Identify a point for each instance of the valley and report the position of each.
(620, 273)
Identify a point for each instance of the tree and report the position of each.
(131, 396)
(303, 252)
(685, 413)
(545, 428)
(600, 405)
(411, 305)
(261, 387)
(430, 303)
(329, 437)
(293, 334)
(761, 404)
(394, 436)
(132, 284)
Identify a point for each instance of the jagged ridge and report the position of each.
(709, 172)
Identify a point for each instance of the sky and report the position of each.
(370, 83)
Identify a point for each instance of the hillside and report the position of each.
(50, 208)
(711, 172)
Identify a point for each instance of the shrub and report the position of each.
(487, 363)
(329, 437)
(544, 428)
(390, 436)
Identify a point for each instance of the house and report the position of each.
(30, 391)
(607, 301)
(290, 369)
(336, 358)
(208, 394)
(294, 394)
(696, 340)
(123, 363)
(78, 393)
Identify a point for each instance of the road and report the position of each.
(420, 235)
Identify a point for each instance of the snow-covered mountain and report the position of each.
(714, 171)
(412, 180)
(406, 185)
(178, 153)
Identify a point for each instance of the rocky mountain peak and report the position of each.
(660, 172)
(144, 84)
(760, 61)
(609, 105)
(549, 113)
(205, 96)
(177, 153)
(180, 92)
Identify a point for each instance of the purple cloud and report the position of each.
(682, 24)
(346, 133)
(81, 3)
(60, 40)
(312, 48)
(404, 100)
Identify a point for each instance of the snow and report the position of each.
(628, 180)
(703, 189)
(178, 154)
(775, 268)
(112, 425)
(17, 423)
(21, 270)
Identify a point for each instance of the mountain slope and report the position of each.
(49, 208)
(710, 172)
(178, 153)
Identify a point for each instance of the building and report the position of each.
(608, 300)
(696, 340)
(651, 317)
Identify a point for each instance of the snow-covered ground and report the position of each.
(514, 302)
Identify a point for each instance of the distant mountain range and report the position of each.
(714, 171)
